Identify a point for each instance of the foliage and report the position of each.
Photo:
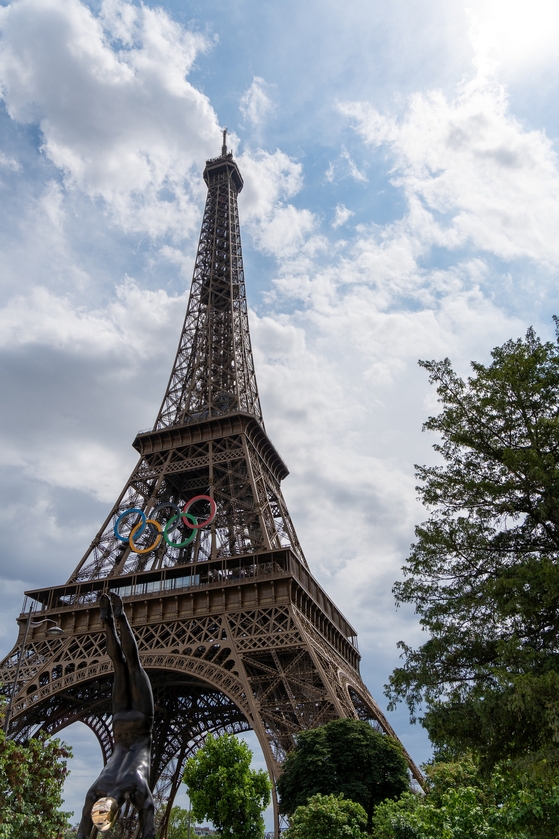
(225, 790)
(460, 816)
(463, 804)
(345, 756)
(484, 571)
(327, 817)
(179, 821)
(31, 781)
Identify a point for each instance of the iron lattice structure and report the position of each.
(232, 628)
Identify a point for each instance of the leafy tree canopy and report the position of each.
(345, 756)
(462, 804)
(225, 790)
(327, 817)
(31, 781)
(484, 571)
(181, 824)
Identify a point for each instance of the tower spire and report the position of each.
(224, 146)
(213, 373)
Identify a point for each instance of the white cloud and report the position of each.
(344, 167)
(87, 466)
(354, 171)
(100, 355)
(255, 103)
(277, 337)
(342, 215)
(8, 162)
(471, 173)
(118, 116)
(131, 324)
(277, 228)
(269, 178)
(284, 233)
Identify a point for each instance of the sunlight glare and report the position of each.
(511, 33)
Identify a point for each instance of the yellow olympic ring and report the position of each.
(151, 547)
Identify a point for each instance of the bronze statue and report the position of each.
(126, 775)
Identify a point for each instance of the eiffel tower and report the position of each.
(233, 629)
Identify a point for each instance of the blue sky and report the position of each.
(401, 201)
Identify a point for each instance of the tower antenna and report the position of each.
(224, 146)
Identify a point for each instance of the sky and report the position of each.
(401, 202)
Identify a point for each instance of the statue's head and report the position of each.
(104, 812)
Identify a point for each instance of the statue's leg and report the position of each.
(86, 823)
(143, 802)
(121, 694)
(141, 696)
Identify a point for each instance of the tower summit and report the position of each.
(232, 628)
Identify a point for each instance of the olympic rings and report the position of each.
(163, 533)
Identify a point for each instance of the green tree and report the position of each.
(345, 756)
(181, 824)
(461, 803)
(225, 790)
(31, 781)
(460, 816)
(484, 571)
(327, 817)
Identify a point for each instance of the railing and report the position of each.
(165, 581)
(201, 416)
(202, 575)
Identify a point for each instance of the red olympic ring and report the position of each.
(213, 509)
